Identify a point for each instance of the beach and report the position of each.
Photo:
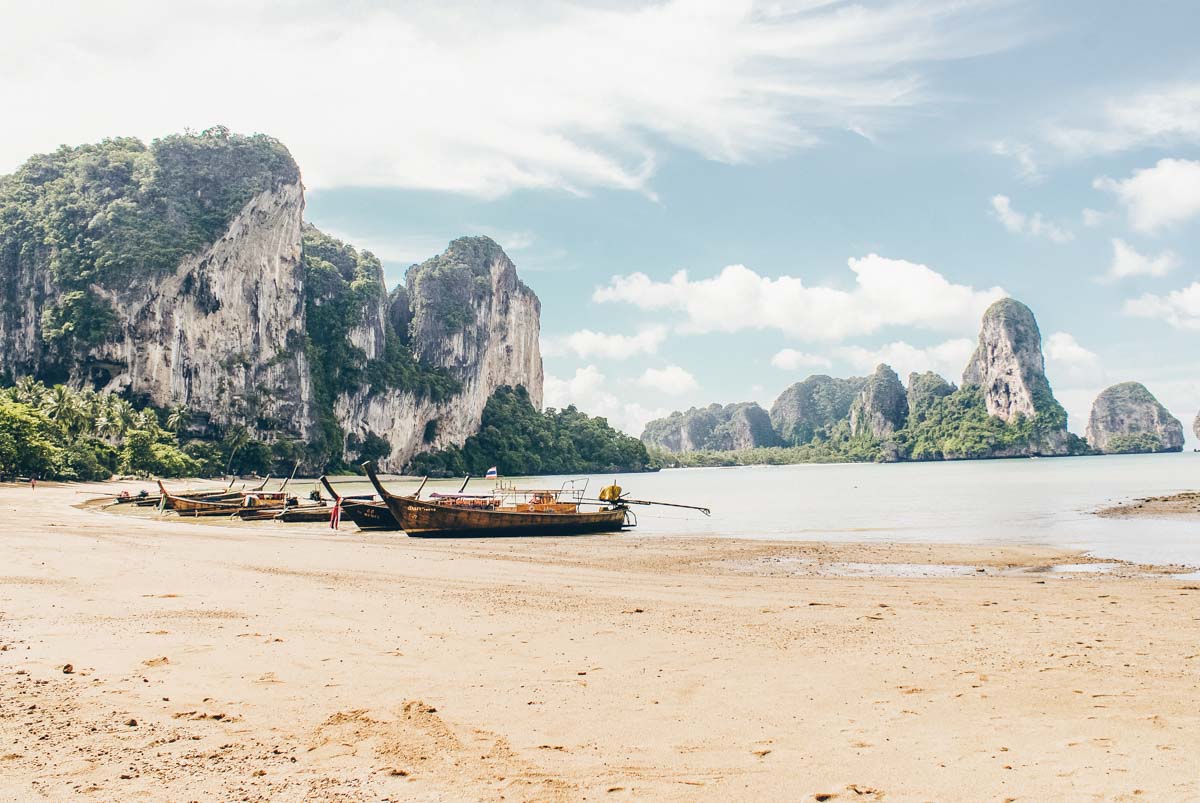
(146, 658)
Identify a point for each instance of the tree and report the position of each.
(179, 418)
(237, 437)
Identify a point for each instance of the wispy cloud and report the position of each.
(1020, 223)
(1179, 308)
(1162, 115)
(479, 98)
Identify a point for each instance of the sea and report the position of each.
(1038, 501)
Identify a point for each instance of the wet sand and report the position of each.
(261, 661)
(1184, 505)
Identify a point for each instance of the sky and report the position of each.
(713, 200)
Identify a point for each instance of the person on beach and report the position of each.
(33, 483)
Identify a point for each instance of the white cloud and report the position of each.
(483, 98)
(671, 380)
(1093, 218)
(1019, 223)
(587, 344)
(1179, 308)
(1128, 262)
(1067, 359)
(1022, 154)
(588, 391)
(1161, 116)
(947, 358)
(887, 292)
(1159, 196)
(792, 360)
(1063, 347)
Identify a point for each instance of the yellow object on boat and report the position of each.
(610, 493)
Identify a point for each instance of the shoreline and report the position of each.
(262, 661)
(1183, 505)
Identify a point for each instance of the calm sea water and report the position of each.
(1043, 502)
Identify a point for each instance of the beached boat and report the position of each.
(243, 501)
(508, 512)
(303, 513)
(366, 513)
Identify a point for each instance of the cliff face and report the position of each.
(1128, 418)
(181, 273)
(814, 406)
(468, 313)
(735, 426)
(881, 407)
(222, 333)
(1009, 367)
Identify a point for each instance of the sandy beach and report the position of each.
(161, 659)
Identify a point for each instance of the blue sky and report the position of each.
(880, 171)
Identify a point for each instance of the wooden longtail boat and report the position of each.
(367, 514)
(543, 513)
(300, 513)
(244, 500)
(210, 495)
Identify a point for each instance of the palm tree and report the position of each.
(29, 391)
(148, 420)
(62, 407)
(179, 417)
(122, 413)
(237, 437)
(104, 426)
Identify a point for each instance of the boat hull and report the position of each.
(430, 520)
(370, 515)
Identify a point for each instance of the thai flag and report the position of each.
(491, 474)
(335, 518)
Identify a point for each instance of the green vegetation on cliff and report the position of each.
(340, 285)
(519, 440)
(120, 212)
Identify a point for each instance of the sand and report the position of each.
(263, 661)
(1184, 505)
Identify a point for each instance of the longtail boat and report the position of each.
(243, 500)
(301, 513)
(509, 512)
(367, 514)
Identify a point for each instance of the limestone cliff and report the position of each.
(181, 273)
(714, 428)
(469, 314)
(176, 290)
(814, 407)
(1128, 418)
(1009, 368)
(881, 408)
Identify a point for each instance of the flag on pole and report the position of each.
(491, 474)
(335, 518)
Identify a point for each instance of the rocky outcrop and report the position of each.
(223, 333)
(1009, 368)
(470, 314)
(814, 407)
(714, 428)
(1128, 418)
(881, 407)
(923, 392)
(181, 273)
